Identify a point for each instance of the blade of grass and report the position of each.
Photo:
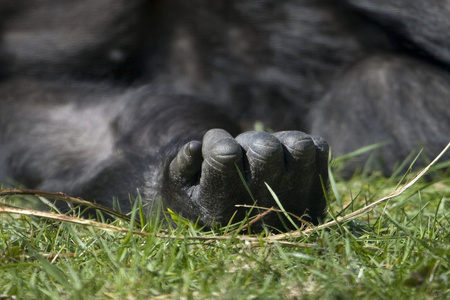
(275, 197)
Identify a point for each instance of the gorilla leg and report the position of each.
(391, 99)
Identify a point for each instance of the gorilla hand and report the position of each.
(203, 183)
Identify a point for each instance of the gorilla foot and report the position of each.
(203, 181)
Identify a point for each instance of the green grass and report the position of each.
(400, 250)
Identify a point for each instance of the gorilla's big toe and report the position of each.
(204, 182)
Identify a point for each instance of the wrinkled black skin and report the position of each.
(73, 118)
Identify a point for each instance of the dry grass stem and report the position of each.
(365, 209)
(63, 197)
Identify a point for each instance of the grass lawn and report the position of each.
(398, 250)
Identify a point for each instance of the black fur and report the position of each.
(91, 105)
